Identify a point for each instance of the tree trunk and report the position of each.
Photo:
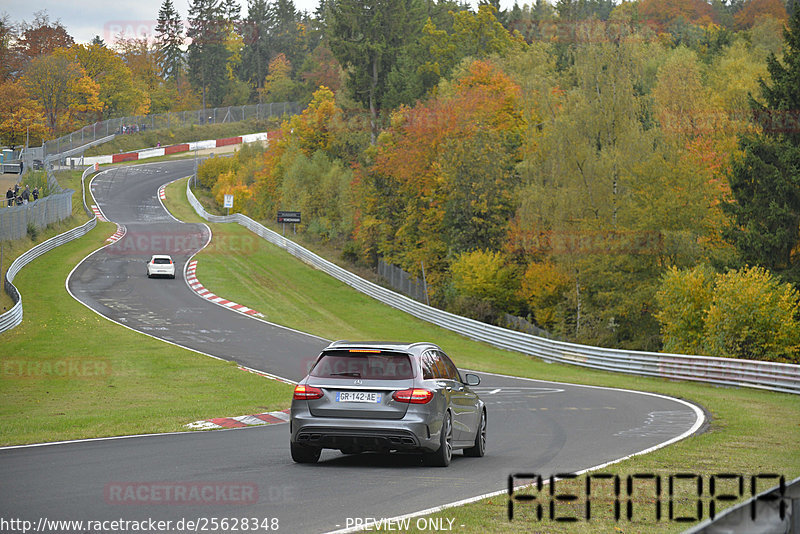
(373, 112)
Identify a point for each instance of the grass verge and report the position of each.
(751, 431)
(61, 378)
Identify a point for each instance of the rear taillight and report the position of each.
(413, 396)
(302, 392)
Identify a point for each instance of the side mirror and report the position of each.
(472, 380)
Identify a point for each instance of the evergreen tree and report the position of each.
(257, 33)
(286, 32)
(765, 182)
(208, 56)
(368, 36)
(169, 39)
(780, 116)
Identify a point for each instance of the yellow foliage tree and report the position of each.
(484, 275)
(21, 119)
(542, 288)
(63, 89)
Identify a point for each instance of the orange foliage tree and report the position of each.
(443, 173)
(21, 119)
(662, 13)
(753, 9)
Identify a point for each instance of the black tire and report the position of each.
(479, 448)
(303, 454)
(441, 457)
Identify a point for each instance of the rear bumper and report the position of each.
(161, 272)
(408, 434)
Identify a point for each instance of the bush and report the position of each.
(745, 313)
(754, 316)
(683, 301)
(33, 232)
(484, 275)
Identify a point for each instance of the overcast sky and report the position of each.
(86, 18)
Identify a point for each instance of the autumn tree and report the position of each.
(38, 38)
(680, 102)
(445, 169)
(66, 93)
(580, 205)
(118, 90)
(278, 85)
(476, 35)
(665, 13)
(485, 285)
(542, 289)
(21, 118)
(754, 316)
(683, 300)
(753, 9)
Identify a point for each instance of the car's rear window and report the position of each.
(162, 261)
(365, 365)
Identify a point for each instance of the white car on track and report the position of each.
(161, 265)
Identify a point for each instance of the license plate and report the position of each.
(358, 396)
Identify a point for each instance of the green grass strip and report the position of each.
(68, 373)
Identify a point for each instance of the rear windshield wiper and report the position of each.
(353, 374)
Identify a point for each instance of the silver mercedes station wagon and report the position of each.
(374, 396)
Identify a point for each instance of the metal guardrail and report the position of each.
(13, 317)
(775, 510)
(779, 377)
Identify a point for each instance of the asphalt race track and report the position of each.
(534, 426)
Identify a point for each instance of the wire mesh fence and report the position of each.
(54, 205)
(401, 281)
(16, 220)
(520, 324)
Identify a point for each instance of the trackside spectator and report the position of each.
(10, 196)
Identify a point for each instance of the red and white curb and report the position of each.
(98, 214)
(162, 192)
(119, 234)
(242, 421)
(197, 287)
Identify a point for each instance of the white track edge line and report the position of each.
(701, 418)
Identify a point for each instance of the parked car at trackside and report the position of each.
(367, 396)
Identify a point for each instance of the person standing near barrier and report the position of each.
(35, 193)
(26, 194)
(10, 196)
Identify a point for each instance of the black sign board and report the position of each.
(288, 216)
